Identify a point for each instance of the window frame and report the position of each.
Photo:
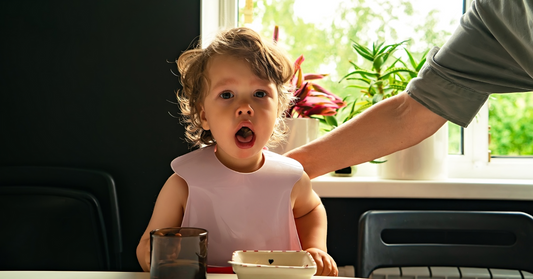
(475, 162)
(216, 15)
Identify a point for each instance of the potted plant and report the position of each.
(385, 76)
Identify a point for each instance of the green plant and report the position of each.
(382, 76)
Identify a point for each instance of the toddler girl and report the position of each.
(234, 94)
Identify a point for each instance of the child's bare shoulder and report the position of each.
(302, 187)
(305, 180)
(175, 188)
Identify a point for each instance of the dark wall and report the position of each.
(87, 84)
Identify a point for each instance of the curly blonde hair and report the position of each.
(266, 60)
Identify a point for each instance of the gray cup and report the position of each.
(178, 253)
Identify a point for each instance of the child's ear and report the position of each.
(203, 119)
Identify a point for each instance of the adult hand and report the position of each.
(325, 265)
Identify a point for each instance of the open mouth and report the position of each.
(245, 135)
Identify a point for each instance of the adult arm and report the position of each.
(390, 125)
(490, 52)
(168, 212)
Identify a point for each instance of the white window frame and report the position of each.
(218, 15)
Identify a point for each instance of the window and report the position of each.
(428, 23)
(511, 125)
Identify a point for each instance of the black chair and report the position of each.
(56, 218)
(502, 240)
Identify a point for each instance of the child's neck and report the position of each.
(244, 165)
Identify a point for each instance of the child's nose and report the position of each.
(245, 109)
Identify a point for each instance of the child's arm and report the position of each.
(311, 222)
(168, 212)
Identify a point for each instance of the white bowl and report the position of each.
(263, 264)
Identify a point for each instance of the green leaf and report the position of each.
(388, 91)
(411, 59)
(419, 66)
(379, 60)
(363, 51)
(331, 120)
(397, 78)
(399, 60)
(361, 106)
(377, 98)
(397, 70)
(393, 65)
(423, 61)
(360, 72)
(365, 80)
(377, 48)
(397, 87)
(354, 65)
(372, 91)
(392, 48)
(382, 49)
(356, 86)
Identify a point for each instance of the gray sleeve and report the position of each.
(490, 52)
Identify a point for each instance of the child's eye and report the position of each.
(226, 95)
(260, 94)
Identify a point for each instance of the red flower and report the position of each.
(311, 98)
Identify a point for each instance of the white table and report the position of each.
(101, 275)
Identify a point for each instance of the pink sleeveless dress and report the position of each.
(241, 211)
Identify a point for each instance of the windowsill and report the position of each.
(453, 188)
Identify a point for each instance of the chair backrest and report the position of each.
(444, 238)
(58, 218)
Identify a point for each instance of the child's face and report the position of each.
(240, 109)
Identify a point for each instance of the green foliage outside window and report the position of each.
(511, 122)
